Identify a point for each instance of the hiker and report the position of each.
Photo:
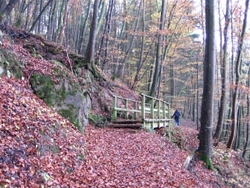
(176, 117)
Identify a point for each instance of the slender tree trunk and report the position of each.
(237, 80)
(3, 4)
(157, 68)
(140, 61)
(38, 17)
(61, 33)
(8, 8)
(239, 128)
(52, 14)
(224, 77)
(103, 51)
(83, 29)
(39, 20)
(90, 52)
(130, 45)
(247, 124)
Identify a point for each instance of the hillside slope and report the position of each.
(40, 148)
(37, 144)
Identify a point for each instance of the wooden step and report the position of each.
(122, 125)
(127, 122)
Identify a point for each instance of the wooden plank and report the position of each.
(131, 126)
(157, 120)
(126, 110)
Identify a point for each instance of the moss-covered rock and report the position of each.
(51, 80)
(9, 65)
(65, 95)
(44, 88)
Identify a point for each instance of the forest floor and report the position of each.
(39, 148)
(139, 158)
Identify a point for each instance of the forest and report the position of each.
(158, 47)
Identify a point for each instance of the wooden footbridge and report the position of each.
(148, 113)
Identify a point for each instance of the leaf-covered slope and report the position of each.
(50, 79)
(37, 146)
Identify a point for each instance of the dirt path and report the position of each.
(136, 158)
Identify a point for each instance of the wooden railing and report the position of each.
(151, 111)
(130, 108)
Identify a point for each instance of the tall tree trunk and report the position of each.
(63, 25)
(140, 61)
(106, 35)
(239, 127)
(52, 15)
(130, 44)
(90, 52)
(237, 80)
(38, 17)
(83, 29)
(39, 20)
(158, 61)
(8, 8)
(205, 135)
(248, 124)
(3, 4)
(224, 77)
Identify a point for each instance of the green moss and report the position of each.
(44, 88)
(81, 157)
(54, 94)
(54, 149)
(68, 113)
(97, 120)
(207, 161)
(10, 65)
(54, 51)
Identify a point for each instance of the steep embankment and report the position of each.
(38, 147)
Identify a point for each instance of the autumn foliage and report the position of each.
(39, 148)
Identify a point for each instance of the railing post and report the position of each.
(135, 107)
(114, 116)
(143, 109)
(158, 111)
(164, 110)
(168, 111)
(126, 105)
(152, 112)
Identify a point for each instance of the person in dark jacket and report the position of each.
(176, 117)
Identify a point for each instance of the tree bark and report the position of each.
(207, 109)
(38, 17)
(224, 77)
(248, 124)
(8, 8)
(158, 61)
(83, 29)
(63, 25)
(237, 80)
(90, 52)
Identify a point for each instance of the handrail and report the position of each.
(156, 112)
(116, 108)
(162, 111)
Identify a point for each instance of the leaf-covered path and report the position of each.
(132, 158)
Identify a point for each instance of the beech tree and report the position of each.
(207, 108)
(238, 73)
(224, 75)
(158, 60)
(5, 12)
(40, 14)
(90, 52)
